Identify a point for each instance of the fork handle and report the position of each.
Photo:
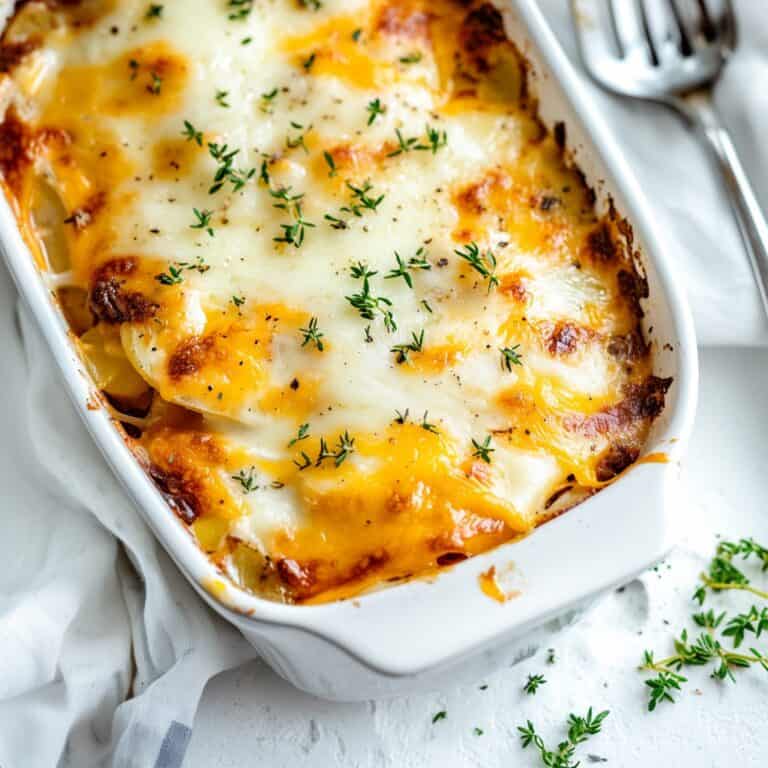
(749, 215)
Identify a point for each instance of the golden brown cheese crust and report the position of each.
(191, 368)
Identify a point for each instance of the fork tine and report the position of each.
(596, 38)
(629, 27)
(663, 30)
(695, 22)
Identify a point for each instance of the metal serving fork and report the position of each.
(672, 52)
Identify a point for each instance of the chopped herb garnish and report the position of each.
(483, 264)
(356, 35)
(435, 140)
(133, 65)
(302, 434)
(264, 173)
(267, 101)
(295, 232)
(439, 716)
(221, 98)
(304, 463)
(533, 682)
(174, 274)
(312, 335)
(239, 9)
(416, 344)
(366, 303)
(477, 731)
(483, 450)
(374, 110)
(426, 425)
(424, 303)
(246, 41)
(291, 142)
(330, 162)
(401, 418)
(510, 356)
(314, 5)
(411, 58)
(309, 61)
(551, 656)
(203, 221)
(403, 144)
(238, 301)
(724, 575)
(344, 447)
(579, 731)
(192, 134)
(404, 269)
(225, 173)
(247, 479)
(335, 222)
(361, 200)
(156, 84)
(154, 11)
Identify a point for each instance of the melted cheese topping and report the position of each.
(295, 243)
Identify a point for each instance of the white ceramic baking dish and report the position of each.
(427, 632)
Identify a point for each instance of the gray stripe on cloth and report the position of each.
(174, 746)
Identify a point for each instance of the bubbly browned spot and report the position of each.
(13, 53)
(191, 355)
(111, 302)
(643, 403)
(565, 337)
(17, 148)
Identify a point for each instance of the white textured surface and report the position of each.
(251, 717)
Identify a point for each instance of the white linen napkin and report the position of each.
(103, 657)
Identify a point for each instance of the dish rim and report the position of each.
(362, 627)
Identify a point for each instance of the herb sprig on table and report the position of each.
(706, 648)
(580, 729)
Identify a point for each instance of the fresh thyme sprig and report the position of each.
(221, 98)
(202, 220)
(483, 451)
(416, 344)
(411, 58)
(291, 142)
(375, 109)
(192, 134)
(331, 163)
(174, 275)
(247, 479)
(703, 650)
(302, 434)
(267, 101)
(425, 424)
(226, 173)
(361, 200)
(510, 356)
(239, 10)
(312, 335)
(533, 682)
(483, 263)
(434, 140)
(580, 729)
(344, 448)
(295, 232)
(724, 575)
(366, 302)
(754, 620)
(404, 268)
